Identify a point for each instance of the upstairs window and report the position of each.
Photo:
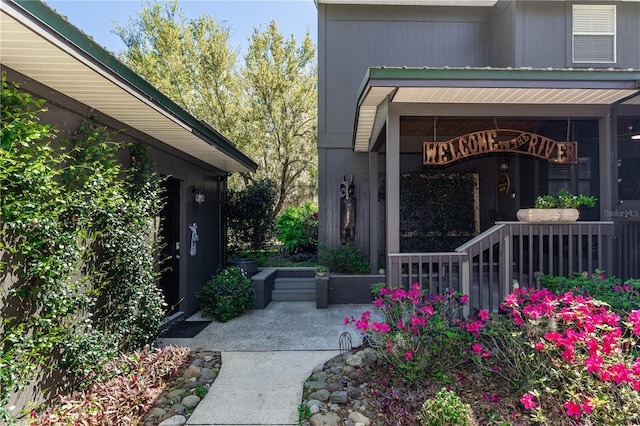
(594, 33)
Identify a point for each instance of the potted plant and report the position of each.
(321, 270)
(561, 208)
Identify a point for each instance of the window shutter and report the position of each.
(594, 33)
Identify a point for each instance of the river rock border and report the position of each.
(183, 395)
(337, 393)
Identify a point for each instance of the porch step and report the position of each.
(294, 289)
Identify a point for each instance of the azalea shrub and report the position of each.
(567, 356)
(567, 352)
(421, 335)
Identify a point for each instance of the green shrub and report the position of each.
(227, 294)
(564, 200)
(623, 297)
(346, 259)
(250, 215)
(297, 228)
(446, 409)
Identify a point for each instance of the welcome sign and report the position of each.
(497, 141)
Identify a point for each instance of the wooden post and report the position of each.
(392, 190)
(374, 219)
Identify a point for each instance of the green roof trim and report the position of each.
(92, 50)
(515, 74)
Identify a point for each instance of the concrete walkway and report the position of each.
(266, 357)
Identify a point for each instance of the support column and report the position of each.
(608, 166)
(374, 217)
(392, 194)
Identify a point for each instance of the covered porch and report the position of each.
(514, 134)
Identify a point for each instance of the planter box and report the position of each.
(352, 288)
(322, 291)
(548, 215)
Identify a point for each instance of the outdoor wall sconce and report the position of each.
(198, 196)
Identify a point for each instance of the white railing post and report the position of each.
(508, 268)
(465, 285)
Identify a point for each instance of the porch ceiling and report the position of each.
(39, 43)
(487, 86)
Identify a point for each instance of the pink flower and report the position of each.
(588, 405)
(552, 336)
(389, 346)
(511, 300)
(593, 363)
(426, 310)
(464, 298)
(418, 321)
(380, 327)
(636, 367)
(573, 409)
(474, 327)
(346, 320)
(634, 317)
(539, 346)
(477, 348)
(378, 302)
(619, 373)
(408, 355)
(527, 401)
(483, 315)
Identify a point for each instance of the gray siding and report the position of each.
(543, 37)
(542, 34)
(352, 38)
(503, 45)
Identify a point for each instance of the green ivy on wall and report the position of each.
(437, 211)
(77, 249)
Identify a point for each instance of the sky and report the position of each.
(96, 17)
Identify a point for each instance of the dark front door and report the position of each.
(170, 254)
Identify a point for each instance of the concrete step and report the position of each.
(290, 295)
(294, 283)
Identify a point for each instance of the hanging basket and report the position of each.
(548, 215)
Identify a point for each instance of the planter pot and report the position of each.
(548, 215)
(248, 265)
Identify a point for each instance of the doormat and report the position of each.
(184, 329)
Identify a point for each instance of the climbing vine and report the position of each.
(436, 211)
(77, 249)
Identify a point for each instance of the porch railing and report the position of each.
(487, 266)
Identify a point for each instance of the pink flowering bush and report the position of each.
(421, 336)
(565, 352)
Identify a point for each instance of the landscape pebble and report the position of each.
(182, 396)
(343, 380)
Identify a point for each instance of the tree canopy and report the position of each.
(267, 104)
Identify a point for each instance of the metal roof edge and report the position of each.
(470, 73)
(105, 59)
